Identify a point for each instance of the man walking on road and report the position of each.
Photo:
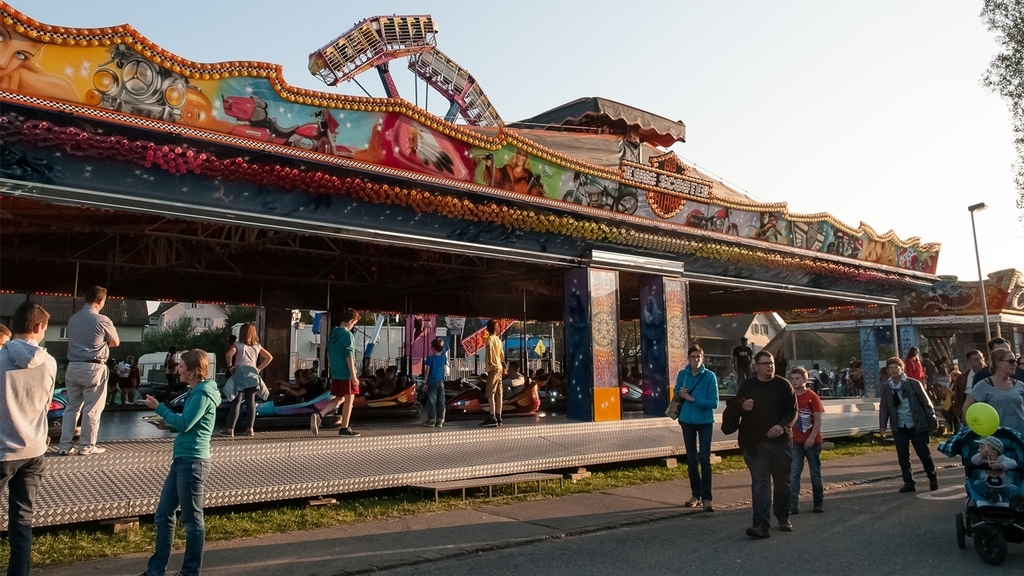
(764, 411)
(27, 375)
(905, 408)
(90, 336)
(344, 381)
(494, 361)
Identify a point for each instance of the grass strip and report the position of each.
(63, 545)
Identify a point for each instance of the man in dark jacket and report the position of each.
(905, 409)
(764, 411)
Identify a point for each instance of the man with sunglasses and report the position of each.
(907, 411)
(764, 411)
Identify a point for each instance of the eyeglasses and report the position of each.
(766, 363)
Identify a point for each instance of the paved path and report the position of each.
(426, 539)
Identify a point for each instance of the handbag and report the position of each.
(674, 407)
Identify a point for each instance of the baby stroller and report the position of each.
(994, 509)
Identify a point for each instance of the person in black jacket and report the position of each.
(905, 409)
(764, 411)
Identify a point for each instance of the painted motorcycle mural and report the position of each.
(592, 191)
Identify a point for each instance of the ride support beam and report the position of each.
(869, 360)
(663, 338)
(591, 344)
(389, 83)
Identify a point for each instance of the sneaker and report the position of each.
(314, 423)
(72, 450)
(908, 488)
(933, 483)
(489, 422)
(498, 420)
(429, 424)
(758, 532)
(818, 508)
(348, 432)
(785, 525)
(691, 503)
(439, 424)
(91, 450)
(708, 507)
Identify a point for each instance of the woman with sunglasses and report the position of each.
(1002, 391)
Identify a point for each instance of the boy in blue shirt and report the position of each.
(433, 378)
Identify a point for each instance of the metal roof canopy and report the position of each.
(481, 271)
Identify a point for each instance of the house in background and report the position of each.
(202, 316)
(130, 318)
(718, 335)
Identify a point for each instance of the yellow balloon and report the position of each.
(982, 418)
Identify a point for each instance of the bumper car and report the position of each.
(631, 396)
(283, 413)
(55, 415)
(471, 400)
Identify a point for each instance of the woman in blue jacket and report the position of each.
(698, 387)
(190, 465)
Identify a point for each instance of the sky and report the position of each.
(872, 111)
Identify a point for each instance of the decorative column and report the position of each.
(663, 339)
(591, 344)
(908, 338)
(869, 361)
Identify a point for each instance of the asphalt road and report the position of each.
(865, 530)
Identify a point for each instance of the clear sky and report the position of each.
(870, 110)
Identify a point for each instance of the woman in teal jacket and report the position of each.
(698, 387)
(190, 465)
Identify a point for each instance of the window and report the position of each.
(764, 328)
(63, 334)
(207, 322)
(192, 305)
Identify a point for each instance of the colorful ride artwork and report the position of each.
(118, 70)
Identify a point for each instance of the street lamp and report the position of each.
(981, 281)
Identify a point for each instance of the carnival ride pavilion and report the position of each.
(162, 178)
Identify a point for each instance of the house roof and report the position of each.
(120, 312)
(163, 307)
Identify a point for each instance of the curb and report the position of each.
(654, 517)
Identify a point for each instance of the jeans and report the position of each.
(769, 462)
(22, 478)
(184, 487)
(87, 391)
(698, 459)
(236, 407)
(904, 437)
(435, 402)
(813, 456)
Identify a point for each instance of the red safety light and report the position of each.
(624, 390)
(54, 405)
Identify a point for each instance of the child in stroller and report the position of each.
(994, 510)
(993, 486)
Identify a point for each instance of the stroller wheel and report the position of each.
(990, 544)
(961, 531)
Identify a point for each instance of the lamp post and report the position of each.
(981, 281)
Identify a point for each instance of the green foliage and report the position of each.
(1005, 73)
(847, 347)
